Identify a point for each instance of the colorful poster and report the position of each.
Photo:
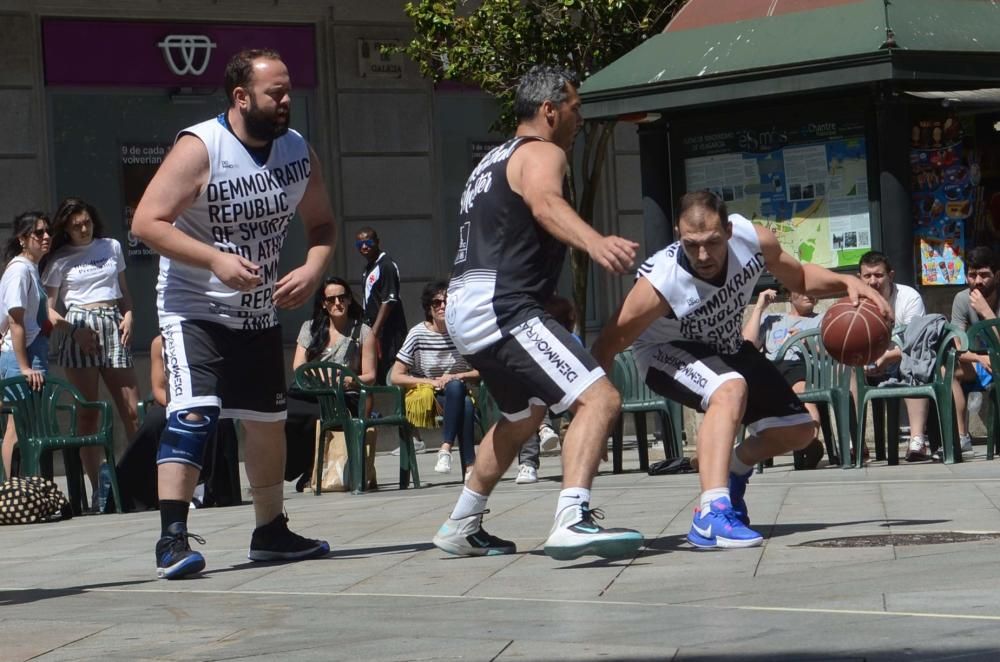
(808, 184)
(139, 162)
(944, 193)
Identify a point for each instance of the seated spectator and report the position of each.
(336, 333)
(875, 269)
(137, 476)
(769, 332)
(980, 301)
(436, 376)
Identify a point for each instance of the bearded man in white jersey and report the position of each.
(217, 211)
(684, 315)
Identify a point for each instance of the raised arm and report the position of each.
(641, 307)
(178, 182)
(536, 172)
(814, 279)
(751, 328)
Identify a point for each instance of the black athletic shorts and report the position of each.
(538, 363)
(793, 371)
(690, 372)
(240, 371)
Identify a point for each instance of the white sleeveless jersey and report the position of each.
(246, 209)
(700, 311)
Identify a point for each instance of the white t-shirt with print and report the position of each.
(86, 274)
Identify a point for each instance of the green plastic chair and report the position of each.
(638, 399)
(985, 333)
(827, 383)
(324, 380)
(952, 341)
(37, 422)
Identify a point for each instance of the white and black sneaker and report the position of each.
(467, 537)
(274, 542)
(575, 534)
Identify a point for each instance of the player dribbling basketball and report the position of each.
(684, 316)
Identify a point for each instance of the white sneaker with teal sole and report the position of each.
(575, 534)
(466, 537)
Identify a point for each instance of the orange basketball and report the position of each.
(855, 335)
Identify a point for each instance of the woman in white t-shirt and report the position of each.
(27, 320)
(86, 273)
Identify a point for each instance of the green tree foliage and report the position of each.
(491, 43)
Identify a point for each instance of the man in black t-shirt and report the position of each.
(383, 308)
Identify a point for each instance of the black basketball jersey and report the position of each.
(506, 266)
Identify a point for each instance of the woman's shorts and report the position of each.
(38, 356)
(105, 320)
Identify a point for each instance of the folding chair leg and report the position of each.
(892, 431)
(617, 434)
(878, 408)
(641, 442)
(320, 456)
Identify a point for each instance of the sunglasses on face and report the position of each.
(336, 298)
(437, 303)
(41, 232)
(364, 243)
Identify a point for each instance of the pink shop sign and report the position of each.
(130, 54)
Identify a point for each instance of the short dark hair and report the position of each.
(981, 257)
(873, 259)
(541, 83)
(430, 289)
(239, 69)
(705, 200)
(370, 231)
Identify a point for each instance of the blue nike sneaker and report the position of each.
(737, 492)
(721, 527)
(174, 557)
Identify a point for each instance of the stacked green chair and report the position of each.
(952, 341)
(827, 383)
(37, 417)
(987, 333)
(325, 381)
(638, 399)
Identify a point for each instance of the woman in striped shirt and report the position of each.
(429, 357)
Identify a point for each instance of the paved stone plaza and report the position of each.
(85, 589)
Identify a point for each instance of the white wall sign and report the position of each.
(373, 63)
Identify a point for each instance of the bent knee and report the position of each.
(731, 393)
(601, 396)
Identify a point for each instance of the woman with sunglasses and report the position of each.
(336, 333)
(428, 359)
(27, 321)
(85, 273)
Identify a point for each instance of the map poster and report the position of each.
(944, 188)
(807, 183)
(139, 162)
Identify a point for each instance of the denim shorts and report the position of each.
(38, 356)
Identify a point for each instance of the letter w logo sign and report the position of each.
(187, 54)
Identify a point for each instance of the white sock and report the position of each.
(573, 496)
(708, 496)
(736, 465)
(469, 503)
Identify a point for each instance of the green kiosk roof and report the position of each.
(721, 51)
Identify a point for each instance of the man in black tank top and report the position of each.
(515, 224)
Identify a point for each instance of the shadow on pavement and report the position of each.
(27, 596)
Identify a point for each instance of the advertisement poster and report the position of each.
(139, 162)
(944, 187)
(808, 184)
